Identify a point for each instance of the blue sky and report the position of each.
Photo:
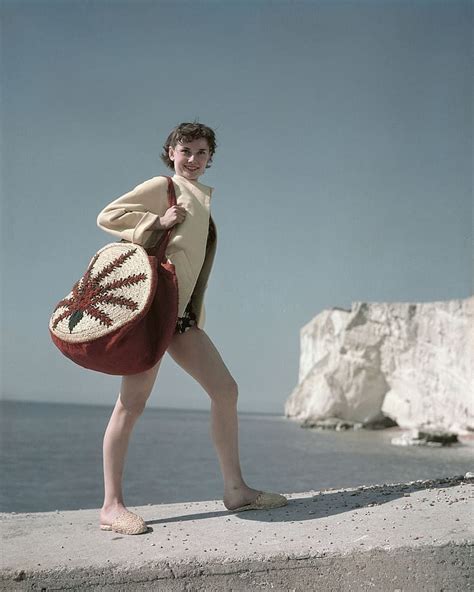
(343, 169)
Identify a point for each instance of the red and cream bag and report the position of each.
(121, 314)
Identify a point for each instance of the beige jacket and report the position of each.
(130, 217)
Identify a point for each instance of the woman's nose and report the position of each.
(191, 158)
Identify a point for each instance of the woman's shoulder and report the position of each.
(159, 182)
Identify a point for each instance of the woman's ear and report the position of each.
(171, 153)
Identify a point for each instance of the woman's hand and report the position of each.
(172, 216)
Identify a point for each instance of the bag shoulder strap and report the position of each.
(162, 242)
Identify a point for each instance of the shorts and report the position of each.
(187, 321)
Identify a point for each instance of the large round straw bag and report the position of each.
(120, 316)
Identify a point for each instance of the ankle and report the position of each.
(112, 505)
(235, 486)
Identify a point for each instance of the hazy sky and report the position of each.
(343, 169)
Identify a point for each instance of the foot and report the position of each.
(239, 496)
(109, 513)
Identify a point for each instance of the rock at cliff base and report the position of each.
(426, 438)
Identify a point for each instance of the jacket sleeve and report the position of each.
(131, 216)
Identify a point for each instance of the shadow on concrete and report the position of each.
(325, 503)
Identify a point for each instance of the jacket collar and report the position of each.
(206, 189)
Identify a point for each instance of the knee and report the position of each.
(227, 391)
(233, 389)
(132, 407)
(134, 392)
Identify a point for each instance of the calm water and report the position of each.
(52, 454)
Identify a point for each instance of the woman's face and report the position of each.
(190, 158)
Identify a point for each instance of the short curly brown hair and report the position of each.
(187, 132)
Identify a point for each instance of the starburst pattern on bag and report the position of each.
(112, 284)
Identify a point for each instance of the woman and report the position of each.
(140, 216)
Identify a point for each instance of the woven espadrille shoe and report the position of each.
(264, 501)
(126, 523)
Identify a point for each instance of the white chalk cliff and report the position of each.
(410, 361)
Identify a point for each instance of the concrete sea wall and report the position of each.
(406, 537)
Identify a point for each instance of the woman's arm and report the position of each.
(136, 214)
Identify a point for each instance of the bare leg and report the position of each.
(197, 355)
(134, 393)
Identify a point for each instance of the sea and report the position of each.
(51, 457)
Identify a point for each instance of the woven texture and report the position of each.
(265, 500)
(113, 291)
(129, 523)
